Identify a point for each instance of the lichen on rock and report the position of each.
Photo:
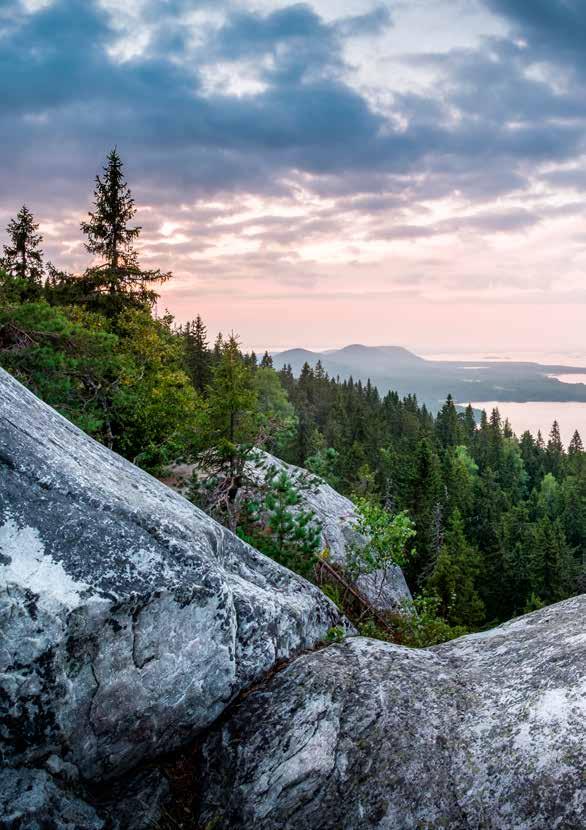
(129, 618)
(488, 731)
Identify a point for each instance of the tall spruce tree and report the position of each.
(453, 577)
(555, 450)
(23, 257)
(197, 353)
(576, 446)
(117, 281)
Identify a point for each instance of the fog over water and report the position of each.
(535, 415)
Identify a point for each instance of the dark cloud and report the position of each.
(65, 101)
(554, 29)
(483, 132)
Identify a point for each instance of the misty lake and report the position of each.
(540, 415)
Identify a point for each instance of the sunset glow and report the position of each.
(416, 170)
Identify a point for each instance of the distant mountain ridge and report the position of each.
(358, 358)
(398, 369)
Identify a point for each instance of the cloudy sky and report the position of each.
(318, 173)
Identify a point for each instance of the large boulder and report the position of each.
(386, 590)
(488, 731)
(129, 618)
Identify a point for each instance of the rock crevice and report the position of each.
(487, 731)
(130, 619)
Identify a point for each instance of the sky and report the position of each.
(408, 172)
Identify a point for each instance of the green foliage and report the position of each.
(453, 578)
(534, 603)
(500, 521)
(500, 486)
(126, 389)
(118, 281)
(23, 257)
(230, 419)
(278, 526)
(324, 464)
(421, 624)
(277, 415)
(336, 634)
(386, 540)
(157, 407)
(334, 593)
(418, 625)
(197, 354)
(67, 358)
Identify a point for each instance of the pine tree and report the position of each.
(218, 347)
(117, 281)
(267, 361)
(197, 353)
(232, 408)
(575, 446)
(555, 450)
(469, 425)
(276, 524)
(428, 495)
(453, 577)
(447, 425)
(532, 457)
(553, 571)
(516, 540)
(23, 257)
(490, 504)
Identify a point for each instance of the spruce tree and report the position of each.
(447, 425)
(555, 450)
(117, 281)
(232, 419)
(453, 578)
(553, 571)
(197, 353)
(23, 257)
(575, 446)
(469, 425)
(428, 495)
(218, 347)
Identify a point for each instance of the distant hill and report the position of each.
(357, 358)
(396, 368)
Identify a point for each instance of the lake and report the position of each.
(538, 415)
(534, 415)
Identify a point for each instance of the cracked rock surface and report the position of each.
(487, 732)
(337, 515)
(129, 618)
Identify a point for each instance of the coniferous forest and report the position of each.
(499, 520)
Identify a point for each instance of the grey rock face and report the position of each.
(129, 618)
(485, 733)
(30, 800)
(337, 516)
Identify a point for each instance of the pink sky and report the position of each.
(318, 173)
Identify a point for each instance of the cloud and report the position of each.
(554, 30)
(220, 103)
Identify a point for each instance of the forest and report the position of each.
(496, 524)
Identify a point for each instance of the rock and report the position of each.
(129, 618)
(337, 516)
(30, 800)
(488, 731)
